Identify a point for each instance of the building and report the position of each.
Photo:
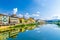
(8, 20)
(13, 20)
(41, 22)
(4, 19)
(31, 20)
(22, 20)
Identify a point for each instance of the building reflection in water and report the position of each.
(13, 33)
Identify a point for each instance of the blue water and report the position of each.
(44, 32)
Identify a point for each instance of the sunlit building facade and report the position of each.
(14, 19)
(31, 20)
(22, 20)
(4, 19)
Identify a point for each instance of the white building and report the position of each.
(4, 19)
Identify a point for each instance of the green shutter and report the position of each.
(4, 19)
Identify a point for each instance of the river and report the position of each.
(42, 32)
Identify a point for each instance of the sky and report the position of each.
(38, 9)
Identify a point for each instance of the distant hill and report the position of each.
(52, 21)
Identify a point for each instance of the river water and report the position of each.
(42, 32)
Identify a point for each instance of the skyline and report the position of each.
(39, 9)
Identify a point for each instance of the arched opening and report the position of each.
(20, 21)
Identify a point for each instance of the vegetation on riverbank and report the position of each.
(23, 25)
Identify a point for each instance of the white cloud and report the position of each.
(48, 18)
(27, 15)
(36, 15)
(55, 16)
(20, 15)
(15, 10)
(42, 18)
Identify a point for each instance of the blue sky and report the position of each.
(39, 9)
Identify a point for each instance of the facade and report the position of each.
(31, 20)
(13, 19)
(4, 19)
(22, 20)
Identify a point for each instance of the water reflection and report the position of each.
(41, 32)
(14, 32)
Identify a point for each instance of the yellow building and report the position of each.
(22, 20)
(31, 20)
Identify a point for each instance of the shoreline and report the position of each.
(5, 28)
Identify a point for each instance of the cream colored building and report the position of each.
(7, 20)
(4, 19)
(14, 20)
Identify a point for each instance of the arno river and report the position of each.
(41, 32)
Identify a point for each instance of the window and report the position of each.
(20, 21)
